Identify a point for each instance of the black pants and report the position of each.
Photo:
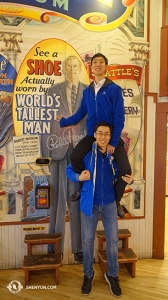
(120, 157)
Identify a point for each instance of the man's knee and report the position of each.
(77, 163)
(124, 170)
(74, 157)
(128, 170)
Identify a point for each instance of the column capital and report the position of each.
(11, 41)
(140, 51)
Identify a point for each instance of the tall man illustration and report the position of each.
(59, 146)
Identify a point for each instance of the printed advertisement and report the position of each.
(46, 49)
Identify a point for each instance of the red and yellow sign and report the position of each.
(33, 111)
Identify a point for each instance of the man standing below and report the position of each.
(59, 146)
(98, 198)
(102, 101)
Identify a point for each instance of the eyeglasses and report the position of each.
(103, 134)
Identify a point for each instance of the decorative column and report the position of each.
(11, 46)
(135, 201)
(140, 51)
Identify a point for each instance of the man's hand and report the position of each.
(110, 149)
(58, 118)
(85, 175)
(128, 179)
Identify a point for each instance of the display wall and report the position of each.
(37, 38)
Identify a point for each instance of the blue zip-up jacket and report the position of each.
(99, 189)
(107, 106)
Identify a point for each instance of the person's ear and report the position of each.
(95, 135)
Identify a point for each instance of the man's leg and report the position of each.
(77, 159)
(54, 184)
(110, 223)
(75, 223)
(75, 228)
(89, 225)
(75, 215)
(59, 186)
(79, 152)
(121, 159)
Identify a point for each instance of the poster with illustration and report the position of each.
(45, 49)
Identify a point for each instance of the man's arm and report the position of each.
(74, 119)
(118, 117)
(70, 173)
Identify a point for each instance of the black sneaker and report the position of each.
(120, 211)
(114, 285)
(78, 257)
(87, 285)
(75, 196)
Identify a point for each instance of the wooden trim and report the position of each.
(163, 90)
(163, 13)
(45, 220)
(22, 223)
(154, 95)
(160, 180)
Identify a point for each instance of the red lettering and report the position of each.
(41, 67)
(29, 64)
(57, 68)
(48, 67)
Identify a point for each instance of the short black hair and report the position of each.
(103, 124)
(100, 55)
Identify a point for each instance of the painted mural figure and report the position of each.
(7, 75)
(98, 198)
(6, 124)
(59, 146)
(102, 101)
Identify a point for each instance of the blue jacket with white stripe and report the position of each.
(99, 189)
(106, 106)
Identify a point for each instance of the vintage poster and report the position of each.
(45, 47)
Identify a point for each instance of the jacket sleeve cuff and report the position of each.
(77, 176)
(62, 122)
(113, 144)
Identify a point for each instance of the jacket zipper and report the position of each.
(102, 179)
(96, 100)
(96, 107)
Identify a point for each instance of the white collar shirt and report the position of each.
(99, 85)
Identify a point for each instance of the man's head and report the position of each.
(99, 65)
(102, 134)
(99, 55)
(72, 68)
